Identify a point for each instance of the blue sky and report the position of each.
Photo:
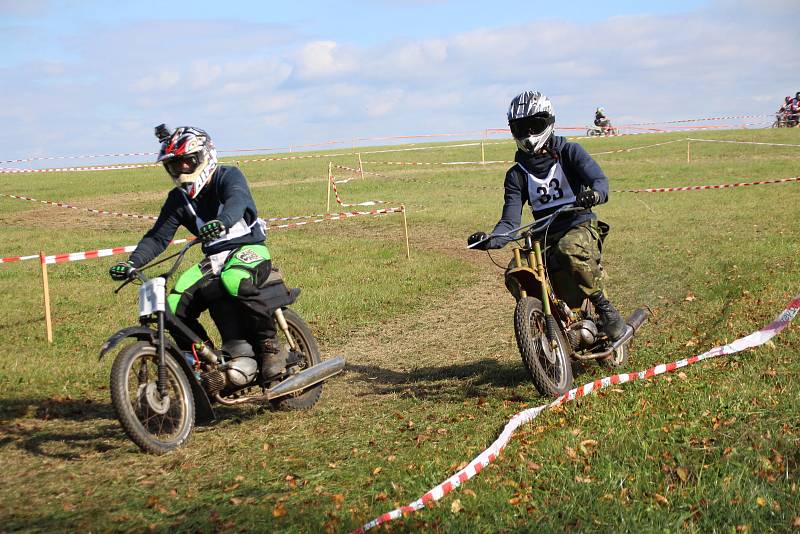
(95, 77)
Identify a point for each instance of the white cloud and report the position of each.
(251, 81)
(323, 59)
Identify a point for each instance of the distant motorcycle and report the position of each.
(549, 332)
(596, 131)
(158, 391)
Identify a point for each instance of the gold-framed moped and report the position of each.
(552, 327)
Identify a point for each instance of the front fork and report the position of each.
(535, 262)
(285, 327)
(162, 364)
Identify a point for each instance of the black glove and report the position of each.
(122, 271)
(475, 238)
(588, 198)
(211, 230)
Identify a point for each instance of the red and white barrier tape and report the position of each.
(357, 171)
(740, 142)
(700, 187)
(436, 162)
(341, 216)
(344, 205)
(755, 339)
(699, 120)
(90, 210)
(137, 216)
(80, 169)
(84, 156)
(85, 255)
(78, 256)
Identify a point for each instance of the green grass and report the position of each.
(433, 373)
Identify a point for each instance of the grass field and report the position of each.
(433, 371)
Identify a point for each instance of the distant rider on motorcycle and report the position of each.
(600, 119)
(214, 203)
(549, 173)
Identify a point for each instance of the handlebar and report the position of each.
(137, 274)
(532, 226)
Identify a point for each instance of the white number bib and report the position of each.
(549, 192)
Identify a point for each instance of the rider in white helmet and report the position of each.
(214, 203)
(551, 172)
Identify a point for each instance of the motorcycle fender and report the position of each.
(204, 412)
(527, 279)
(139, 332)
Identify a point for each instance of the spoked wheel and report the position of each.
(156, 424)
(308, 352)
(548, 364)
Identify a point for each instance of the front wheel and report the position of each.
(156, 424)
(547, 363)
(308, 352)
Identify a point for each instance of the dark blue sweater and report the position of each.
(580, 170)
(226, 198)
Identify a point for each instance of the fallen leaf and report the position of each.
(279, 510)
(239, 478)
(690, 297)
(332, 465)
(455, 506)
(513, 501)
(382, 496)
(761, 501)
(236, 501)
(660, 499)
(533, 466)
(582, 480)
(682, 473)
(391, 458)
(377, 470)
(469, 492)
(571, 452)
(682, 375)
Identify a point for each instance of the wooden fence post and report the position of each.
(405, 228)
(46, 288)
(330, 177)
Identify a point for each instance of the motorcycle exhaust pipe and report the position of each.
(307, 378)
(637, 318)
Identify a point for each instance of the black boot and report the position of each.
(612, 321)
(273, 360)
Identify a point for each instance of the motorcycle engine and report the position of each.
(582, 334)
(241, 371)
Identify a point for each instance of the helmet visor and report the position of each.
(533, 125)
(182, 165)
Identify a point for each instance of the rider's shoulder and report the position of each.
(228, 173)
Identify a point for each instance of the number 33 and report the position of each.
(545, 196)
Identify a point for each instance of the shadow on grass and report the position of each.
(456, 382)
(58, 427)
(453, 382)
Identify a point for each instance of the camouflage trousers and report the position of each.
(573, 263)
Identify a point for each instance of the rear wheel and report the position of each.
(547, 363)
(156, 424)
(308, 352)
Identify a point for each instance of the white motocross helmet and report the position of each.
(189, 156)
(531, 120)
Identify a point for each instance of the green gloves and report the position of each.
(211, 230)
(122, 271)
